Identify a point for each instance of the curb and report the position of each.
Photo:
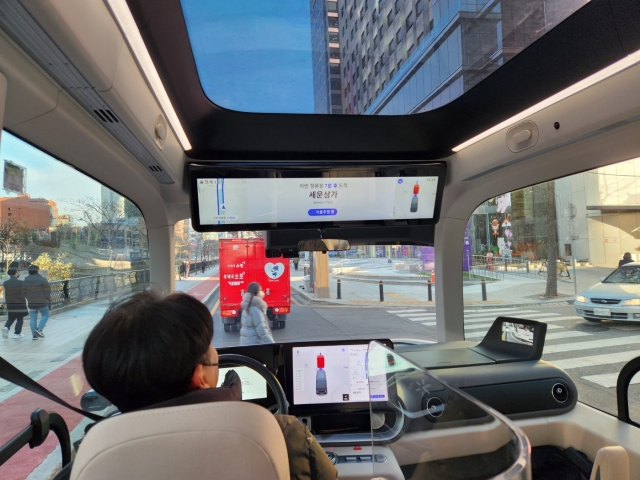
(388, 280)
(327, 301)
(211, 293)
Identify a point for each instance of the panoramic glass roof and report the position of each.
(377, 57)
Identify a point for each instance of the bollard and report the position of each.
(381, 291)
(339, 288)
(484, 290)
(528, 265)
(429, 297)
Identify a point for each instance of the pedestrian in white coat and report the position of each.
(255, 326)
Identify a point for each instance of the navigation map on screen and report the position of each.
(290, 200)
(334, 374)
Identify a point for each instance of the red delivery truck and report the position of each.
(242, 261)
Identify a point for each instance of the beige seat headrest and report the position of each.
(222, 440)
(611, 463)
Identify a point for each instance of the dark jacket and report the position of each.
(37, 290)
(624, 262)
(307, 459)
(14, 295)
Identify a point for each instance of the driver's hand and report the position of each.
(232, 380)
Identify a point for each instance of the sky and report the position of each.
(253, 55)
(46, 177)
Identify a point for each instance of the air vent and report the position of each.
(106, 116)
(25, 31)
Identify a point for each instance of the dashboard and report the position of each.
(369, 404)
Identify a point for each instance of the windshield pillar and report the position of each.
(448, 285)
(161, 261)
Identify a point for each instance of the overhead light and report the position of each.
(122, 14)
(583, 84)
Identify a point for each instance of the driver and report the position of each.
(150, 351)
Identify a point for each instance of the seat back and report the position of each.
(611, 463)
(221, 440)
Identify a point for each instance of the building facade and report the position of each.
(410, 56)
(35, 213)
(325, 44)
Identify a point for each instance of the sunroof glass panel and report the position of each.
(355, 57)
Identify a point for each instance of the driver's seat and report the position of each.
(221, 440)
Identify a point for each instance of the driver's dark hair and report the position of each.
(145, 348)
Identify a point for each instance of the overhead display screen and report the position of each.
(335, 374)
(256, 195)
(291, 200)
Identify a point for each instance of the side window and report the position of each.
(89, 244)
(567, 253)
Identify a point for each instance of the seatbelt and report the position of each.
(11, 374)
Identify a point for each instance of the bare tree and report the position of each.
(13, 235)
(105, 219)
(552, 239)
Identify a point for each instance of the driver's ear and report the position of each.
(197, 379)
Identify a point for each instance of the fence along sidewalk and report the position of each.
(94, 287)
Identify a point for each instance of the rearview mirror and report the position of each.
(602, 279)
(323, 245)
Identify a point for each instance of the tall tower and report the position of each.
(325, 43)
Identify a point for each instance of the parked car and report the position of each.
(617, 297)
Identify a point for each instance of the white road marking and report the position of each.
(603, 343)
(416, 314)
(525, 316)
(593, 360)
(609, 380)
(482, 310)
(420, 317)
(492, 313)
(404, 310)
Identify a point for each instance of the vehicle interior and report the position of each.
(115, 90)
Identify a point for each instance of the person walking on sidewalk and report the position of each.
(38, 293)
(626, 258)
(255, 326)
(203, 266)
(15, 302)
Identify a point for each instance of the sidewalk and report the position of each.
(55, 362)
(360, 286)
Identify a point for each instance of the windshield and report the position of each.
(374, 57)
(366, 292)
(624, 275)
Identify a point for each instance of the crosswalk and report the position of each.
(568, 348)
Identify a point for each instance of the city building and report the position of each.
(410, 56)
(35, 213)
(111, 200)
(325, 43)
(597, 217)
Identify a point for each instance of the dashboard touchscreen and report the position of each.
(334, 374)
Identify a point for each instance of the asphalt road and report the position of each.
(592, 354)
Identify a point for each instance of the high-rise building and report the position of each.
(410, 56)
(325, 41)
(112, 201)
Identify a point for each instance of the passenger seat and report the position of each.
(611, 463)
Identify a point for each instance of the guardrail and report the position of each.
(497, 267)
(96, 287)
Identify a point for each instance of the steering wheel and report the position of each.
(244, 361)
